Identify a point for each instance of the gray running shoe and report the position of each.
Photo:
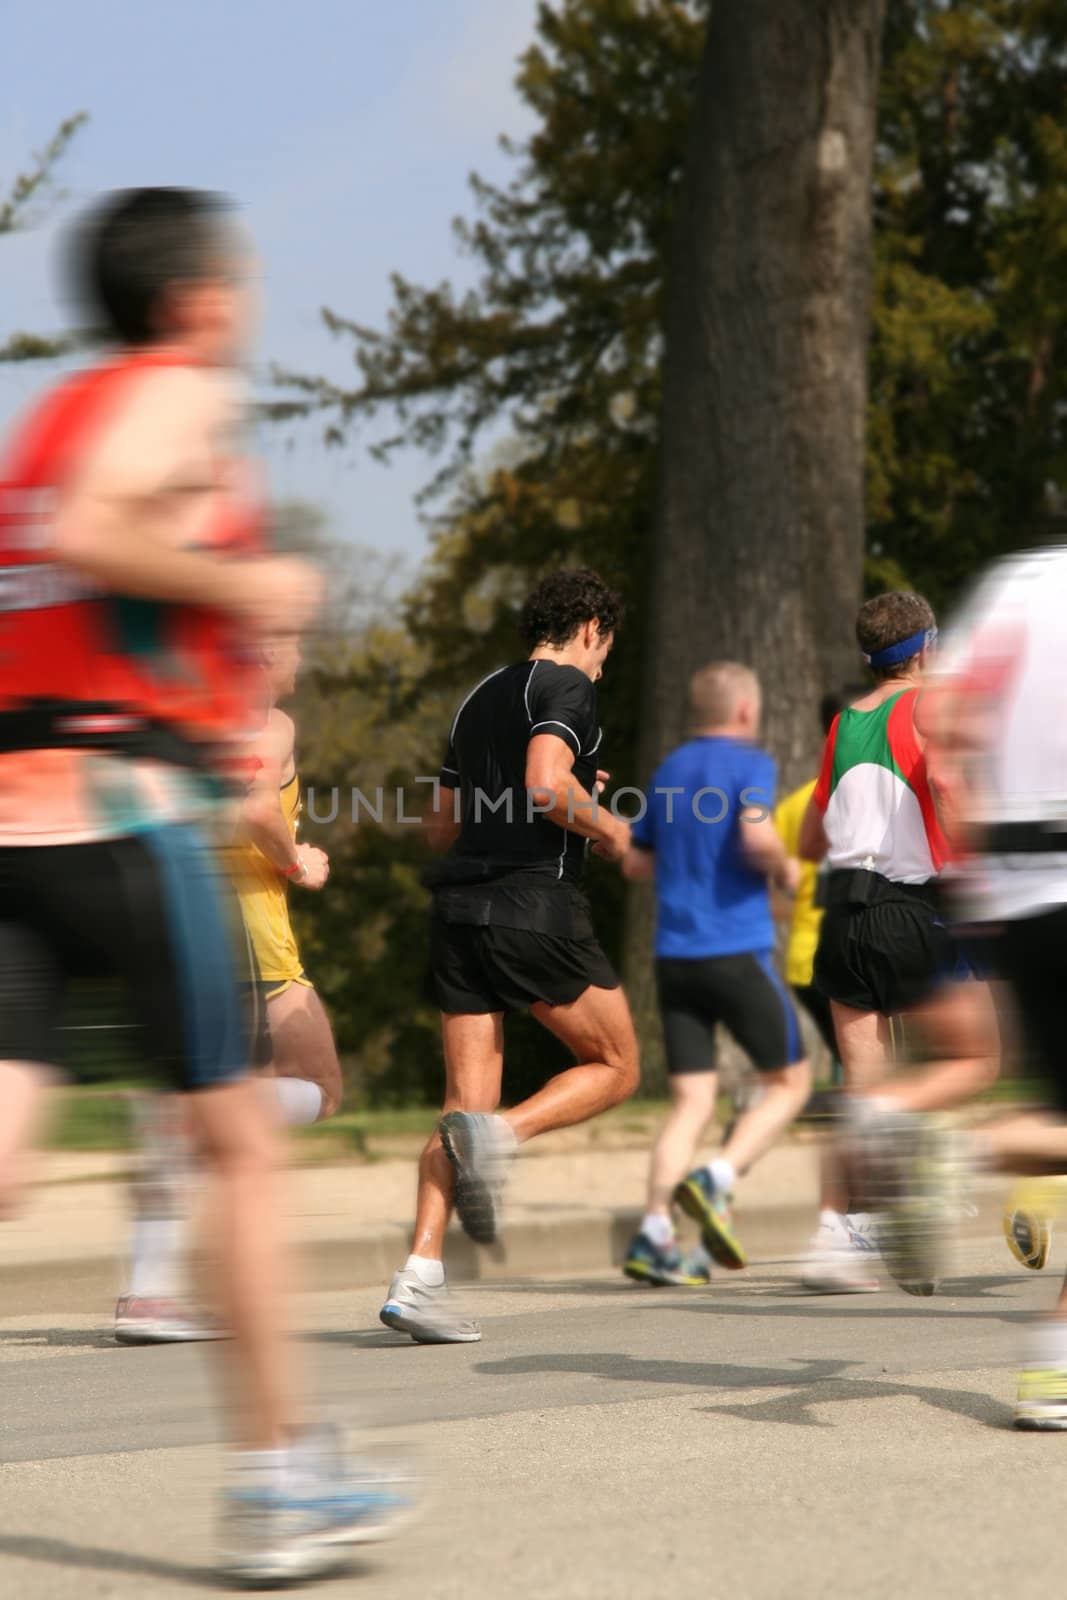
(481, 1147)
(917, 1230)
(427, 1314)
(883, 1143)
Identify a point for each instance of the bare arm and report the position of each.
(763, 849)
(638, 866)
(813, 841)
(557, 794)
(125, 520)
(952, 734)
(262, 818)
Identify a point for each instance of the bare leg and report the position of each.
(1033, 1144)
(598, 1030)
(833, 1179)
(674, 1152)
(865, 1050)
(22, 1086)
(234, 1131)
(864, 1046)
(474, 1064)
(303, 1043)
(785, 1096)
(960, 1029)
(1060, 1310)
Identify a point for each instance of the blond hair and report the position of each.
(716, 690)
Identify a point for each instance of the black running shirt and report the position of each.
(486, 761)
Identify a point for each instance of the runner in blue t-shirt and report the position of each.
(708, 838)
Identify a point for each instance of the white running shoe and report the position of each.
(427, 1314)
(143, 1320)
(862, 1230)
(275, 1534)
(836, 1263)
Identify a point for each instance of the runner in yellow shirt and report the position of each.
(805, 917)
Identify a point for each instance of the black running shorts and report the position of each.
(474, 970)
(744, 993)
(151, 909)
(1032, 956)
(887, 957)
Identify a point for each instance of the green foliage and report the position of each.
(556, 351)
(366, 727)
(19, 210)
(967, 443)
(560, 341)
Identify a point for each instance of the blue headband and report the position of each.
(900, 652)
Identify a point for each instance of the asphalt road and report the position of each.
(603, 1441)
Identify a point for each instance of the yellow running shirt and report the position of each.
(264, 901)
(806, 920)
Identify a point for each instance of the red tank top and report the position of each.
(82, 668)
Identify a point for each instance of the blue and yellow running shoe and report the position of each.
(699, 1199)
(664, 1265)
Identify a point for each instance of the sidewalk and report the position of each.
(570, 1208)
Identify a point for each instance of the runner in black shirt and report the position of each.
(511, 929)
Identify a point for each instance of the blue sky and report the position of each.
(346, 129)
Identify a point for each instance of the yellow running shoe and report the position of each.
(1042, 1403)
(698, 1198)
(1028, 1221)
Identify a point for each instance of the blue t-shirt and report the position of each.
(710, 901)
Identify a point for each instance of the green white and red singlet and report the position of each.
(874, 796)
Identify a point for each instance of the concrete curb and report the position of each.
(532, 1247)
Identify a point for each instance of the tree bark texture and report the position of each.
(760, 518)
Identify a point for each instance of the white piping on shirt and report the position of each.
(470, 697)
(551, 722)
(526, 692)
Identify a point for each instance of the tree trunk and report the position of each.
(760, 513)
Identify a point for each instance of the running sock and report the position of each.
(658, 1228)
(427, 1270)
(270, 1467)
(1045, 1345)
(722, 1174)
(155, 1246)
(299, 1101)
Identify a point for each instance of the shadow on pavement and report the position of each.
(90, 1558)
(817, 1382)
(360, 1339)
(889, 1305)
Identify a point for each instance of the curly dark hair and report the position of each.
(886, 620)
(565, 600)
